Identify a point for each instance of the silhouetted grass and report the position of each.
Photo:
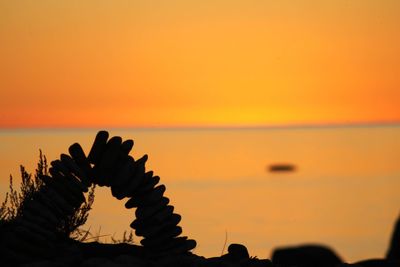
(13, 205)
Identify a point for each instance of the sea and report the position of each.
(343, 190)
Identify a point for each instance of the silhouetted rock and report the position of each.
(253, 262)
(110, 251)
(128, 259)
(123, 178)
(80, 159)
(151, 210)
(98, 147)
(128, 178)
(77, 171)
(237, 252)
(378, 263)
(95, 262)
(305, 255)
(149, 228)
(348, 265)
(394, 247)
(106, 168)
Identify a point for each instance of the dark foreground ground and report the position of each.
(74, 253)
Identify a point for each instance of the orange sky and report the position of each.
(198, 63)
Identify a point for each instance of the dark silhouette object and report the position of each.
(237, 256)
(282, 168)
(238, 251)
(305, 255)
(95, 249)
(14, 201)
(32, 218)
(155, 219)
(34, 234)
(378, 263)
(348, 265)
(394, 247)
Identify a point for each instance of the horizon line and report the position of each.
(213, 127)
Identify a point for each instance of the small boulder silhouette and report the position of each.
(394, 247)
(378, 263)
(305, 256)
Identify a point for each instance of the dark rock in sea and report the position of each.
(306, 255)
(282, 168)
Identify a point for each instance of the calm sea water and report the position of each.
(344, 193)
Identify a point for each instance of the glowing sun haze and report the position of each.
(198, 63)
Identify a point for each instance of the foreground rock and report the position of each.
(306, 255)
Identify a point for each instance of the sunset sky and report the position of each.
(198, 63)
